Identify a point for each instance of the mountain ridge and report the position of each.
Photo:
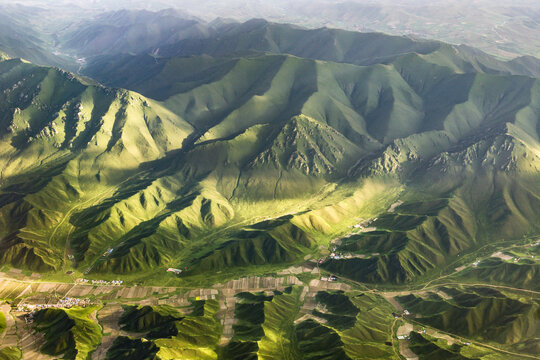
(274, 196)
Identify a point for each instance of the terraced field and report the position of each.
(275, 317)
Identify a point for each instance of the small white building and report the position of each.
(176, 271)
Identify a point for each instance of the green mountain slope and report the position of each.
(414, 163)
(58, 134)
(481, 313)
(260, 36)
(129, 31)
(68, 332)
(323, 44)
(418, 170)
(259, 137)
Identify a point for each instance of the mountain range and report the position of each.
(242, 149)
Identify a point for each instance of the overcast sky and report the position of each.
(263, 3)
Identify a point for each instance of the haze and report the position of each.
(497, 27)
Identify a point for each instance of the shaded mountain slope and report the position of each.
(130, 31)
(68, 332)
(322, 44)
(481, 313)
(57, 135)
(489, 190)
(260, 36)
(235, 141)
(415, 163)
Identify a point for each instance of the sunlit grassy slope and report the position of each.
(72, 143)
(10, 353)
(197, 338)
(7, 352)
(448, 322)
(417, 158)
(269, 327)
(167, 334)
(191, 180)
(68, 332)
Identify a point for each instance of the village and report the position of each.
(30, 310)
(99, 282)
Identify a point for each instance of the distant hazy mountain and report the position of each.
(261, 36)
(18, 38)
(127, 31)
(500, 28)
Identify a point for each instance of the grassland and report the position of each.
(10, 353)
(2, 322)
(150, 213)
(68, 332)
